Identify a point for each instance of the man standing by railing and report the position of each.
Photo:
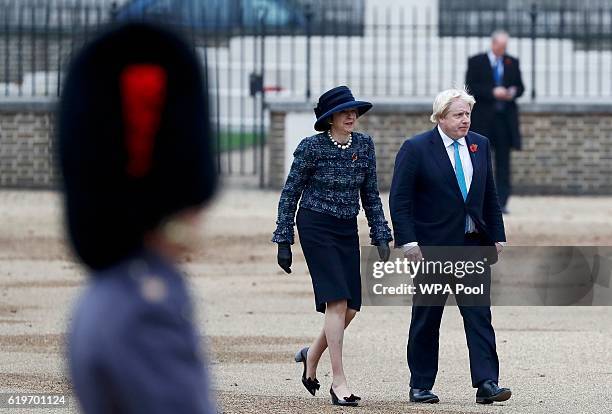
(494, 79)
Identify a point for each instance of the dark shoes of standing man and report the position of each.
(488, 393)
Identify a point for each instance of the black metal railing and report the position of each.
(388, 52)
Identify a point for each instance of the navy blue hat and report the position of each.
(337, 99)
(134, 139)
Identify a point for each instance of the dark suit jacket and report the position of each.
(480, 82)
(426, 202)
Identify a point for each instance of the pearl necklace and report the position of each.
(339, 145)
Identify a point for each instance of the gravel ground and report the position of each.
(556, 360)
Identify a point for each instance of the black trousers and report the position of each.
(501, 140)
(424, 337)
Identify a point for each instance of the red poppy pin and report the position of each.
(354, 158)
(507, 61)
(474, 147)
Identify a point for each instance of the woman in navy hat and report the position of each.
(331, 171)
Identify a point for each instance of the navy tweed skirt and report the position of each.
(331, 249)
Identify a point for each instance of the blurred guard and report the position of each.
(136, 163)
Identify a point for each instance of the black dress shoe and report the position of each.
(489, 392)
(312, 385)
(423, 396)
(351, 401)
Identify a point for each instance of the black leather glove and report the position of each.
(384, 251)
(284, 257)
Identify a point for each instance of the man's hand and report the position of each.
(512, 92)
(384, 251)
(412, 253)
(499, 248)
(284, 257)
(502, 94)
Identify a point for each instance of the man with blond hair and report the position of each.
(443, 194)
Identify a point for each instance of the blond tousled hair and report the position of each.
(444, 99)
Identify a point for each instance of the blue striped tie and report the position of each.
(459, 171)
(460, 177)
(497, 75)
(497, 72)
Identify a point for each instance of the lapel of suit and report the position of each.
(505, 77)
(444, 164)
(477, 158)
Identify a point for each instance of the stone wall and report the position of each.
(567, 148)
(26, 144)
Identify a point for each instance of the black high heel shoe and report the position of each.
(352, 401)
(312, 385)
